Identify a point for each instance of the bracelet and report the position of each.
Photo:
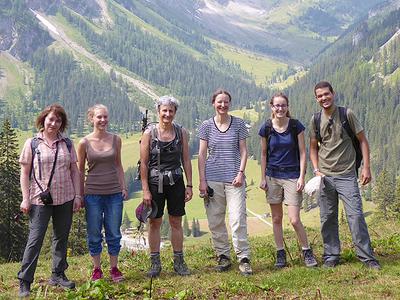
(241, 171)
(189, 186)
(315, 171)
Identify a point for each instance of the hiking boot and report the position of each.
(224, 263)
(372, 264)
(244, 267)
(280, 259)
(24, 288)
(97, 274)
(61, 280)
(116, 275)
(155, 268)
(309, 258)
(180, 266)
(330, 263)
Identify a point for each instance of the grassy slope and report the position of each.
(250, 113)
(350, 280)
(13, 72)
(259, 66)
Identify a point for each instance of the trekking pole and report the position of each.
(144, 126)
(151, 286)
(287, 250)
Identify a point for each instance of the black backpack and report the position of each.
(346, 125)
(154, 141)
(293, 131)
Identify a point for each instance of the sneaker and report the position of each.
(180, 266)
(373, 264)
(224, 263)
(280, 259)
(24, 288)
(116, 275)
(97, 274)
(155, 268)
(61, 280)
(244, 267)
(330, 263)
(309, 258)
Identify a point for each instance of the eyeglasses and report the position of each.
(277, 106)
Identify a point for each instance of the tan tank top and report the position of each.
(102, 174)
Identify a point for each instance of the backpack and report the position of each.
(35, 143)
(154, 142)
(293, 131)
(346, 125)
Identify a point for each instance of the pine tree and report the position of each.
(396, 203)
(126, 222)
(194, 228)
(165, 228)
(13, 234)
(198, 227)
(382, 193)
(77, 235)
(186, 230)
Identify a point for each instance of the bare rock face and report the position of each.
(20, 34)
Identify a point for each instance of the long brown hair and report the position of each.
(271, 102)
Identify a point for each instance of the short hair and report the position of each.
(322, 85)
(276, 95)
(90, 111)
(219, 92)
(58, 110)
(167, 100)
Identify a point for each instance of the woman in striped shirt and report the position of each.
(222, 181)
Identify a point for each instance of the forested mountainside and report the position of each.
(288, 29)
(364, 69)
(107, 54)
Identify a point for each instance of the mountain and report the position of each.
(102, 44)
(364, 69)
(294, 30)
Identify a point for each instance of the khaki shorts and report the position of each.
(283, 190)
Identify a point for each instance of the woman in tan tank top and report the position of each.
(103, 189)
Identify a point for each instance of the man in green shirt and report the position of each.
(334, 158)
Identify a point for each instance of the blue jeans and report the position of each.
(104, 210)
(346, 187)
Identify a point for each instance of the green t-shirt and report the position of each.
(336, 154)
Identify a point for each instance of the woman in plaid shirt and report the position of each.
(52, 153)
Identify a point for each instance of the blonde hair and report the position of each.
(90, 111)
(271, 102)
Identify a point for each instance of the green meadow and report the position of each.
(260, 67)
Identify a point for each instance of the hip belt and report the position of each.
(161, 174)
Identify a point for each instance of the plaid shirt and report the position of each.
(61, 187)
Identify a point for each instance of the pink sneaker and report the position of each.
(116, 275)
(97, 274)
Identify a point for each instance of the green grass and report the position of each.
(154, 31)
(13, 78)
(71, 31)
(248, 113)
(261, 67)
(350, 280)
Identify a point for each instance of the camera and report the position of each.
(46, 198)
(210, 192)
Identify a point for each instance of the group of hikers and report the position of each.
(57, 180)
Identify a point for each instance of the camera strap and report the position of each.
(52, 170)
